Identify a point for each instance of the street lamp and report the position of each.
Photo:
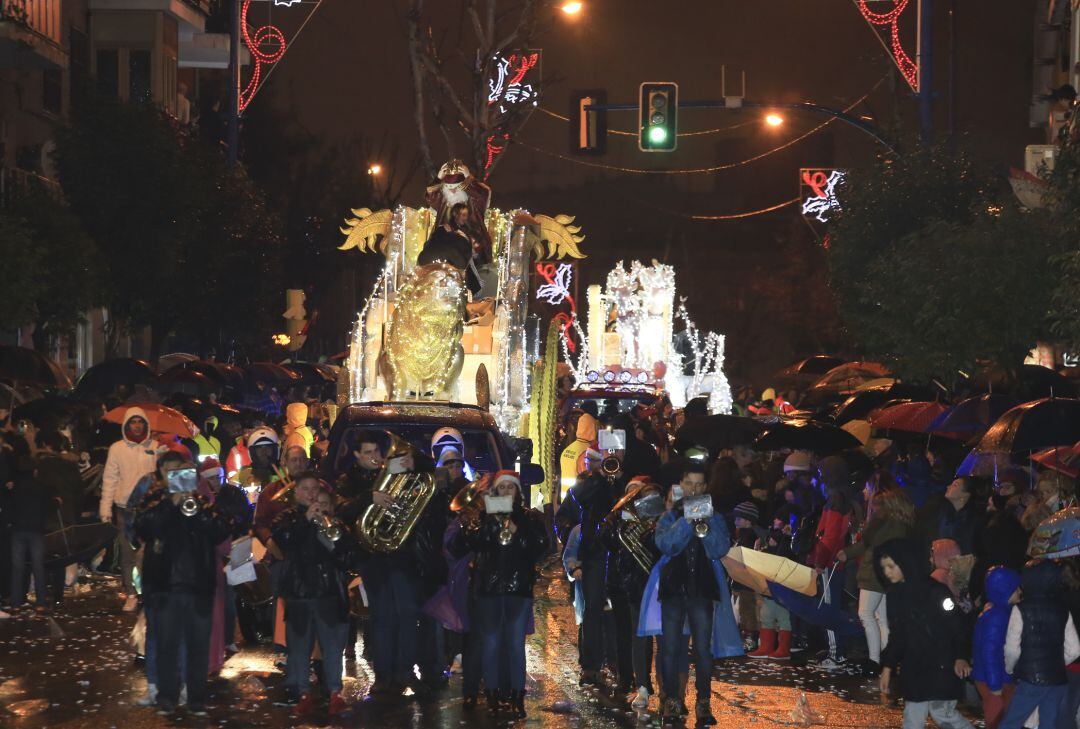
(374, 169)
(774, 120)
(573, 7)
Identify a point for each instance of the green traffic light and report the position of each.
(658, 135)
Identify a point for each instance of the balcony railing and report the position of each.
(43, 17)
(15, 182)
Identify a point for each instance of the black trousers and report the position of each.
(635, 655)
(592, 623)
(182, 618)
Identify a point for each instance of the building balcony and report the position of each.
(189, 14)
(31, 34)
(209, 50)
(15, 182)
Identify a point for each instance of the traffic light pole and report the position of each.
(859, 124)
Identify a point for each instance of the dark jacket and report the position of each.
(180, 551)
(32, 504)
(689, 570)
(941, 520)
(1002, 541)
(354, 492)
(499, 569)
(313, 568)
(991, 627)
(1045, 615)
(625, 578)
(61, 477)
(588, 504)
(926, 628)
(878, 531)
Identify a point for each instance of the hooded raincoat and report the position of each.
(127, 462)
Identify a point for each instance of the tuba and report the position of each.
(633, 533)
(385, 529)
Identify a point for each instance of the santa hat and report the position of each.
(505, 475)
(211, 469)
(449, 453)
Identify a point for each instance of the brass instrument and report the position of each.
(610, 466)
(287, 484)
(328, 528)
(505, 535)
(189, 506)
(385, 529)
(701, 529)
(632, 533)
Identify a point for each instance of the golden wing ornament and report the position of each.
(367, 231)
(558, 238)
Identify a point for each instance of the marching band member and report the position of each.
(318, 552)
(507, 547)
(626, 583)
(181, 533)
(692, 588)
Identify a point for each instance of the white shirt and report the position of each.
(1016, 629)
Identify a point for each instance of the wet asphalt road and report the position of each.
(77, 670)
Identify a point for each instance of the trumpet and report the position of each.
(505, 535)
(610, 466)
(287, 484)
(189, 506)
(701, 529)
(328, 528)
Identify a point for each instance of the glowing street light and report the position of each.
(572, 8)
(374, 169)
(774, 120)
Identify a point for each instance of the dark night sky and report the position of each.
(348, 74)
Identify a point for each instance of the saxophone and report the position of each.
(385, 529)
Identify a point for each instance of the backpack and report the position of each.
(804, 536)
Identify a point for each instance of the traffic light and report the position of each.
(658, 112)
(588, 128)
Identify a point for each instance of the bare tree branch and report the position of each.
(415, 13)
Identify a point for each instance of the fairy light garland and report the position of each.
(264, 35)
(891, 19)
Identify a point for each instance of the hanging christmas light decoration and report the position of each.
(267, 45)
(891, 19)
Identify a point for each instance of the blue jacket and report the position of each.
(990, 628)
(688, 570)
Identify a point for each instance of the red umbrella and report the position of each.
(1063, 459)
(913, 417)
(162, 419)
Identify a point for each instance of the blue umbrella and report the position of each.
(813, 610)
(1058, 536)
(971, 417)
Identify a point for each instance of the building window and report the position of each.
(139, 76)
(108, 71)
(79, 50)
(52, 90)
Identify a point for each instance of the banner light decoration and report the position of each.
(267, 45)
(515, 82)
(554, 292)
(817, 190)
(891, 19)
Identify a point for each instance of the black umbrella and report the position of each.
(77, 542)
(48, 411)
(311, 373)
(807, 371)
(22, 366)
(1028, 383)
(104, 378)
(808, 435)
(223, 374)
(717, 432)
(1052, 421)
(270, 373)
(187, 381)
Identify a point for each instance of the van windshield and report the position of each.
(481, 451)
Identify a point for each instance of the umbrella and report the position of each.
(1034, 426)
(971, 417)
(816, 612)
(47, 411)
(180, 379)
(717, 432)
(912, 417)
(852, 374)
(1063, 460)
(987, 465)
(1058, 536)
(1030, 382)
(105, 377)
(22, 366)
(162, 419)
(77, 542)
(270, 373)
(861, 404)
(225, 375)
(168, 361)
(818, 365)
(311, 373)
(881, 383)
(754, 569)
(809, 435)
